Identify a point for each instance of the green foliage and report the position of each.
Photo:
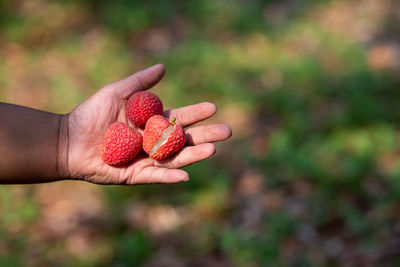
(131, 249)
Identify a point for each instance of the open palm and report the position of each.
(88, 122)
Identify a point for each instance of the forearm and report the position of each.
(33, 145)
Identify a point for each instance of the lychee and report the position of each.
(141, 106)
(162, 138)
(120, 144)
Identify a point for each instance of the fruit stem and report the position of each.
(172, 120)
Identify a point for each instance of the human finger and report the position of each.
(188, 115)
(141, 80)
(159, 175)
(207, 134)
(188, 155)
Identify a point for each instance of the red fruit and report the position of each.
(141, 106)
(162, 138)
(121, 144)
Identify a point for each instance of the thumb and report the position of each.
(141, 80)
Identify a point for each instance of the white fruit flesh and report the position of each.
(163, 139)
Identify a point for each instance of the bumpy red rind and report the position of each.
(120, 144)
(153, 131)
(141, 106)
(175, 142)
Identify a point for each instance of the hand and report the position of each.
(88, 122)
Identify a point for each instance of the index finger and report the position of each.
(189, 115)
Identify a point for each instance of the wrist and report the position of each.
(63, 147)
(35, 144)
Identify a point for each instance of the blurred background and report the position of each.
(311, 176)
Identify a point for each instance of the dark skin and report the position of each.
(38, 146)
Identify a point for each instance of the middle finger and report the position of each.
(207, 134)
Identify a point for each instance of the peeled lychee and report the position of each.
(141, 106)
(120, 144)
(162, 138)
